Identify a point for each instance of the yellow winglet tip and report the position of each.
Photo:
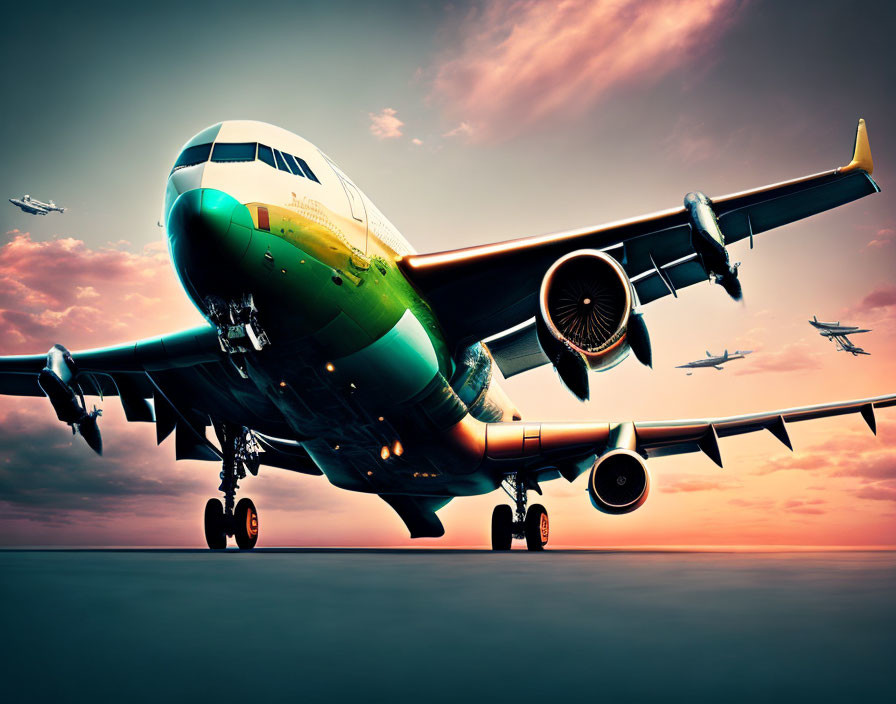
(861, 157)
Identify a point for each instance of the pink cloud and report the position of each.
(881, 297)
(877, 493)
(385, 124)
(692, 484)
(462, 130)
(795, 357)
(517, 63)
(63, 291)
(882, 237)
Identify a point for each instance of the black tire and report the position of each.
(537, 527)
(502, 527)
(245, 524)
(215, 534)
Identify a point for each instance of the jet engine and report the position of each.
(586, 318)
(619, 482)
(58, 381)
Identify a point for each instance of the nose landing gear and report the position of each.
(530, 525)
(238, 328)
(240, 451)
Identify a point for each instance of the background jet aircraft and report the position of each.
(715, 361)
(34, 206)
(838, 333)
(331, 348)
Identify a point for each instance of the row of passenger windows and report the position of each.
(244, 151)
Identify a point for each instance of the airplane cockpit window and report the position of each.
(237, 151)
(192, 155)
(308, 172)
(266, 154)
(293, 166)
(245, 151)
(281, 164)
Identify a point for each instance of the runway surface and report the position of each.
(438, 626)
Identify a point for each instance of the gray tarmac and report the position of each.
(445, 625)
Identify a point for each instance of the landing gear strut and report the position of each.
(240, 450)
(238, 328)
(507, 523)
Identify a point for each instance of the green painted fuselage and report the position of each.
(358, 369)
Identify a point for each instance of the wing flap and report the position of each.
(763, 210)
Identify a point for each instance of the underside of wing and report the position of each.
(481, 291)
(177, 381)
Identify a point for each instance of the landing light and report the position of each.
(384, 452)
(397, 449)
(330, 367)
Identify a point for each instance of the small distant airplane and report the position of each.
(712, 360)
(34, 206)
(838, 333)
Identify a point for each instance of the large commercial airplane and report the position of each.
(333, 348)
(32, 206)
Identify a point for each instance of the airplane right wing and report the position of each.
(480, 292)
(570, 448)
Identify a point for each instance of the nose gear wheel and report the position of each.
(240, 454)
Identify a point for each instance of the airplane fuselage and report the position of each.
(357, 368)
(28, 206)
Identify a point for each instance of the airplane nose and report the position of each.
(208, 232)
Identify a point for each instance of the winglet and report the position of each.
(861, 158)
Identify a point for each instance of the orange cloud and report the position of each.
(518, 63)
(385, 124)
(883, 237)
(796, 357)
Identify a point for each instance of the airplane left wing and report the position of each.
(182, 363)
(178, 381)
(481, 291)
(569, 448)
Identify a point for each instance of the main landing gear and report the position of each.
(507, 524)
(222, 520)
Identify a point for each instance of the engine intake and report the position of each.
(619, 482)
(586, 317)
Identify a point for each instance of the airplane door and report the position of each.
(356, 203)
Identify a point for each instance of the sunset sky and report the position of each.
(467, 123)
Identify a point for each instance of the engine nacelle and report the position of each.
(58, 381)
(619, 482)
(586, 319)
